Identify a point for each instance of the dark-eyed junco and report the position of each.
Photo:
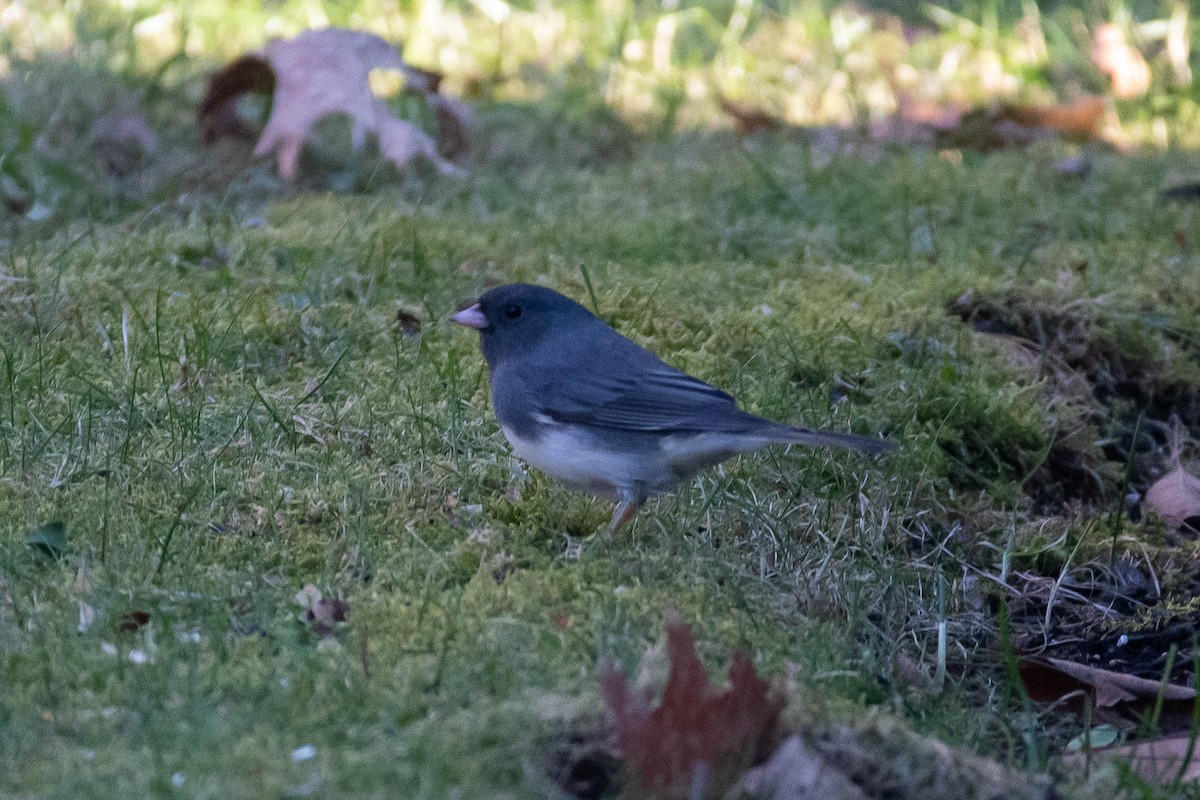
(600, 413)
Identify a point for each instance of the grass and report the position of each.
(202, 377)
(214, 437)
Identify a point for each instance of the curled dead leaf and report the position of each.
(1053, 680)
(315, 74)
(1079, 120)
(1175, 497)
(1125, 67)
(217, 116)
(455, 121)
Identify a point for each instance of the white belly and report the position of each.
(573, 459)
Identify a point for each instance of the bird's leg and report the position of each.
(623, 512)
(628, 506)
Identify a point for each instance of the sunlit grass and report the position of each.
(808, 61)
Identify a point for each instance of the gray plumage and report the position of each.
(599, 412)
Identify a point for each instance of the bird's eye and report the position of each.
(512, 312)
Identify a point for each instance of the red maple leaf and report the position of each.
(698, 739)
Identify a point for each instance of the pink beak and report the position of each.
(471, 317)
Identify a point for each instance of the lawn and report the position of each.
(227, 388)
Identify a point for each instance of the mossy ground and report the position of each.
(202, 376)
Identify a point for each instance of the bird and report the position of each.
(598, 412)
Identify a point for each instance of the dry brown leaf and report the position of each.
(1053, 680)
(1078, 121)
(1124, 65)
(696, 737)
(1175, 497)
(986, 128)
(1155, 760)
(318, 73)
(455, 119)
(217, 116)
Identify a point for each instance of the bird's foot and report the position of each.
(626, 509)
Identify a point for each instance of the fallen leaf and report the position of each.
(50, 540)
(217, 116)
(1175, 497)
(400, 142)
(423, 81)
(798, 772)
(308, 596)
(1155, 760)
(1053, 680)
(697, 740)
(884, 758)
(990, 127)
(455, 119)
(912, 673)
(318, 73)
(1125, 67)
(1079, 120)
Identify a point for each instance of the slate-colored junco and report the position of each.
(599, 412)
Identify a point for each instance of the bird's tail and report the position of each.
(808, 436)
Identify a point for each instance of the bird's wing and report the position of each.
(661, 400)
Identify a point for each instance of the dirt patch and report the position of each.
(1124, 615)
(1123, 397)
(1109, 384)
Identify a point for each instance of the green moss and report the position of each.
(223, 412)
